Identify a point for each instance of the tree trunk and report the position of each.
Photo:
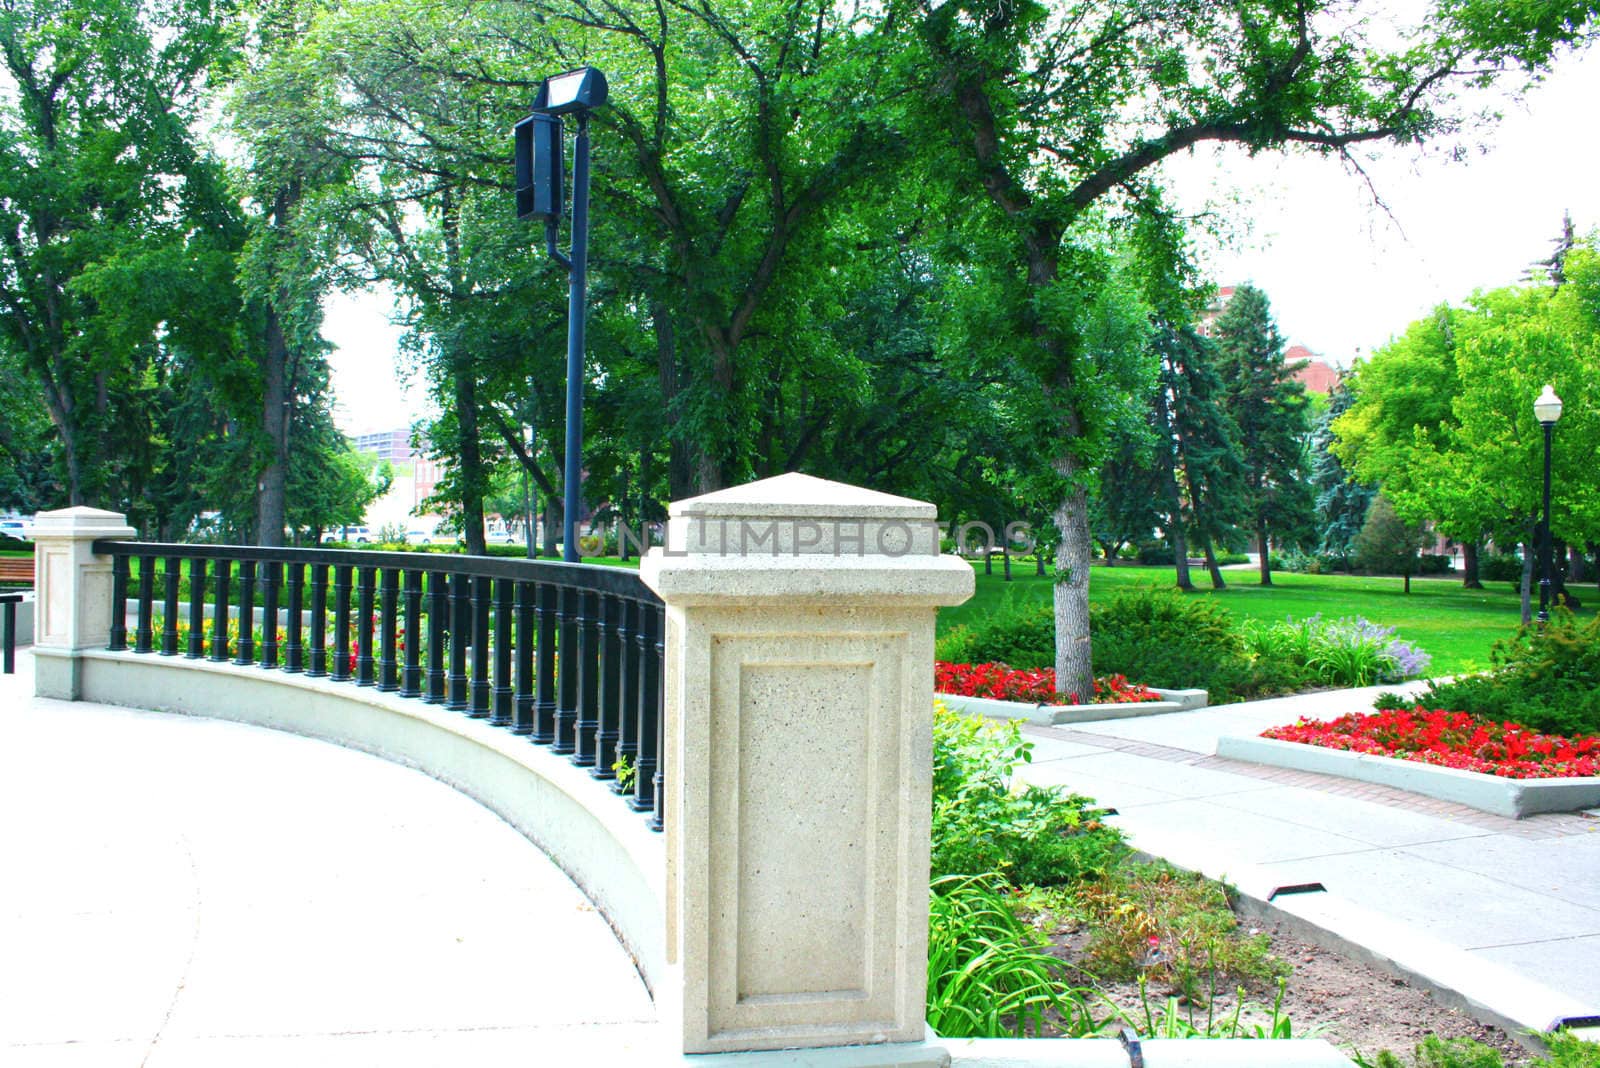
(1074, 663)
(271, 485)
(1169, 478)
(1211, 565)
(1527, 583)
(1469, 566)
(1577, 564)
(1558, 573)
(680, 473)
(1261, 544)
(552, 526)
(1408, 582)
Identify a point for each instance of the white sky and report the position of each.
(1342, 275)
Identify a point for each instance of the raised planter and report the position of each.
(1515, 798)
(1053, 715)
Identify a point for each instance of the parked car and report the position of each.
(15, 528)
(500, 537)
(349, 535)
(419, 537)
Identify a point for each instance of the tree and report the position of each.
(1341, 501)
(1058, 115)
(116, 235)
(1388, 544)
(1269, 408)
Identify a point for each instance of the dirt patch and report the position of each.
(1350, 1004)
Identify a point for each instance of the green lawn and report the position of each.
(1456, 625)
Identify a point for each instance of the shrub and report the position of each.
(1153, 553)
(1545, 678)
(1038, 835)
(1343, 652)
(1500, 567)
(1165, 639)
(1566, 1051)
(1019, 632)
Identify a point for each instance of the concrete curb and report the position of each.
(1515, 798)
(1055, 715)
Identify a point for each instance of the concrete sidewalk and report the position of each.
(183, 891)
(1504, 912)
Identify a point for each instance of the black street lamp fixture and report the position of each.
(539, 169)
(1547, 409)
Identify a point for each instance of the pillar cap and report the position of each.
(806, 539)
(80, 522)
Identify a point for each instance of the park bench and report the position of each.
(16, 569)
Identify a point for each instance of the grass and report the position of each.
(1457, 626)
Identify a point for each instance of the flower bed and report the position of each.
(1452, 740)
(1000, 682)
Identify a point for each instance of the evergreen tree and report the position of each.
(1342, 501)
(1269, 408)
(1200, 465)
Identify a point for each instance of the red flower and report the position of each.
(1004, 683)
(1452, 740)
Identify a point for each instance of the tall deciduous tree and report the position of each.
(1058, 113)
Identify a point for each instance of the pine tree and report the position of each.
(1342, 502)
(1204, 496)
(1269, 408)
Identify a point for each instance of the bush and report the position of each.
(1153, 553)
(1500, 567)
(1544, 678)
(1435, 564)
(1021, 633)
(1036, 836)
(1165, 639)
(1566, 1051)
(1343, 652)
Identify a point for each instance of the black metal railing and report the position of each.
(568, 655)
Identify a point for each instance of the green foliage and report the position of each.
(1546, 678)
(1177, 927)
(988, 973)
(1036, 835)
(1020, 632)
(1566, 1050)
(1387, 544)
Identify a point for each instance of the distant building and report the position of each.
(1318, 376)
(391, 445)
(1208, 319)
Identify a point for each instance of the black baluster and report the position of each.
(588, 722)
(606, 733)
(366, 583)
(294, 654)
(246, 650)
(197, 609)
(271, 580)
(480, 647)
(388, 606)
(169, 606)
(411, 637)
(544, 701)
(627, 690)
(319, 621)
(455, 695)
(144, 631)
(644, 793)
(341, 623)
(522, 700)
(500, 692)
(119, 603)
(219, 611)
(568, 670)
(659, 659)
(438, 611)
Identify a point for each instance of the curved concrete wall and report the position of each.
(586, 829)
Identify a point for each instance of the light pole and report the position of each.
(1546, 409)
(539, 168)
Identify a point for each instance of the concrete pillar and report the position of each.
(799, 662)
(73, 593)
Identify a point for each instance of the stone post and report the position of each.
(799, 664)
(72, 594)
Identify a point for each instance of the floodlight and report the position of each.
(576, 90)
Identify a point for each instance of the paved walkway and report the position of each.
(1505, 911)
(178, 891)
